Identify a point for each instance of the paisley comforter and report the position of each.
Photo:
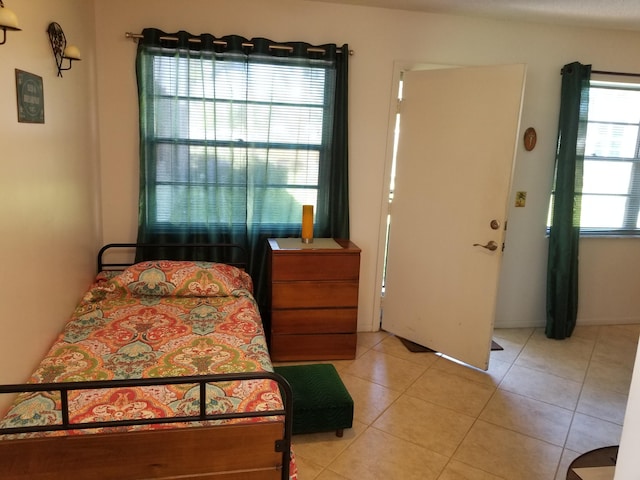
(156, 319)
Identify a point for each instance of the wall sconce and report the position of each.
(61, 50)
(8, 21)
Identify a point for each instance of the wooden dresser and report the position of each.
(314, 300)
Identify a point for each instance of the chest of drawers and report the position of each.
(314, 301)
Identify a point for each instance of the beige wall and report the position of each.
(383, 40)
(53, 212)
(48, 197)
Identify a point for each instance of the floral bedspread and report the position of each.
(156, 319)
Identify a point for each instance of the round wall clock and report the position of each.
(530, 139)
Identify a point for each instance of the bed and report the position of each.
(162, 371)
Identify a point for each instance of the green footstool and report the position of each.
(321, 402)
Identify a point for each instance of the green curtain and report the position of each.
(564, 232)
(244, 209)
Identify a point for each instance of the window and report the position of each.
(612, 164)
(235, 141)
(611, 175)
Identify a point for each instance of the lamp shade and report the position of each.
(8, 19)
(71, 52)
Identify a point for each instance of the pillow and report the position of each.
(185, 279)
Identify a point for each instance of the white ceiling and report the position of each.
(618, 14)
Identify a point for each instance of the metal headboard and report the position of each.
(229, 253)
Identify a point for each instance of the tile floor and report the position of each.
(422, 416)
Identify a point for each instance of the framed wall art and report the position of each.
(30, 97)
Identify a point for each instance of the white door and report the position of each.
(457, 141)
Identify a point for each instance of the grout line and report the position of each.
(573, 413)
(562, 461)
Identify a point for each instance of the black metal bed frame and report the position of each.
(102, 265)
(283, 446)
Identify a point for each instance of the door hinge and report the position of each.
(505, 229)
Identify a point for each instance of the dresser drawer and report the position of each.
(317, 320)
(314, 295)
(340, 346)
(315, 266)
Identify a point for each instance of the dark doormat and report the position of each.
(415, 348)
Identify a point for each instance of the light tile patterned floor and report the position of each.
(421, 416)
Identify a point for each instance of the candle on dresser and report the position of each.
(307, 223)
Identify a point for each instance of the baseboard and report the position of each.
(580, 321)
(608, 321)
(509, 324)
(587, 322)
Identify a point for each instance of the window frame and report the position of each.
(321, 148)
(632, 205)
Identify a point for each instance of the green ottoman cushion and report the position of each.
(321, 402)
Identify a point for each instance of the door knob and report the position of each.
(493, 246)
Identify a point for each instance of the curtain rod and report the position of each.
(135, 36)
(621, 74)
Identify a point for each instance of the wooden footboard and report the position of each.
(244, 451)
(256, 450)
